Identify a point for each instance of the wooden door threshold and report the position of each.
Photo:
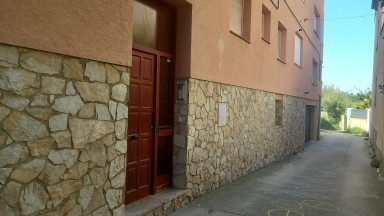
(166, 201)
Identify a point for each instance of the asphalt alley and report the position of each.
(331, 177)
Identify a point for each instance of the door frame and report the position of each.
(159, 183)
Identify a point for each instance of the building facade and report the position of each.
(104, 103)
(376, 118)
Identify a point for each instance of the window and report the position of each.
(320, 70)
(298, 49)
(315, 69)
(282, 42)
(316, 21)
(279, 112)
(240, 20)
(266, 24)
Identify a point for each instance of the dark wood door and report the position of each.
(308, 123)
(140, 132)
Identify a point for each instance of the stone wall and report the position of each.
(247, 141)
(62, 134)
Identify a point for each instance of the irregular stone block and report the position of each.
(118, 181)
(122, 111)
(103, 211)
(88, 111)
(51, 174)
(125, 78)
(63, 139)
(87, 91)
(119, 211)
(98, 177)
(13, 154)
(121, 129)
(86, 131)
(94, 153)
(111, 153)
(68, 206)
(63, 190)
(76, 211)
(73, 69)
(40, 113)
(102, 112)
(85, 196)
(6, 210)
(40, 147)
(121, 146)
(18, 81)
(119, 92)
(116, 166)
(4, 112)
(95, 71)
(113, 75)
(66, 156)
(68, 104)
(52, 85)
(58, 122)
(113, 108)
(76, 172)
(4, 174)
(41, 62)
(15, 102)
(11, 193)
(114, 198)
(70, 90)
(109, 140)
(24, 128)
(9, 56)
(26, 172)
(40, 100)
(33, 199)
(98, 200)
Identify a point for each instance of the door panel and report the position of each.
(308, 123)
(140, 135)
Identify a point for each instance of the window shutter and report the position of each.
(297, 50)
(237, 16)
(279, 42)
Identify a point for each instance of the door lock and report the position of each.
(134, 136)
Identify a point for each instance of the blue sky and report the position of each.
(348, 44)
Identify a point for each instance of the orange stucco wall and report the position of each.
(102, 30)
(99, 30)
(220, 56)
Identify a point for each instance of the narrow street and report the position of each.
(332, 177)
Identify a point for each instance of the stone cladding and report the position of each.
(62, 134)
(208, 155)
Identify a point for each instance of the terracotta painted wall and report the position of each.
(98, 30)
(222, 57)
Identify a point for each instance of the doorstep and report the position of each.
(162, 200)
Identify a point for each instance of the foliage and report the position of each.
(362, 99)
(375, 163)
(357, 131)
(335, 101)
(329, 123)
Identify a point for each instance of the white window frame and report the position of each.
(298, 50)
(237, 16)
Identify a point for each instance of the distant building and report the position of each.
(103, 103)
(377, 122)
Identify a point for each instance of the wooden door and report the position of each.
(164, 122)
(308, 118)
(140, 119)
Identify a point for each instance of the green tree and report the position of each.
(335, 101)
(362, 99)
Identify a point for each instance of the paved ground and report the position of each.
(332, 177)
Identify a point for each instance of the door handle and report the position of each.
(134, 136)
